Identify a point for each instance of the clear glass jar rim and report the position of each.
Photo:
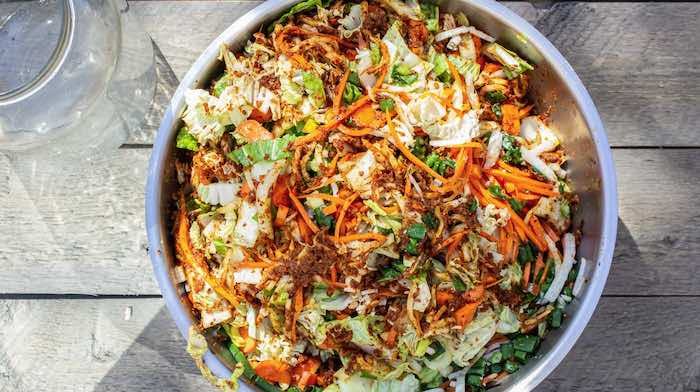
(52, 66)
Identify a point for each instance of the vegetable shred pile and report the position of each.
(368, 201)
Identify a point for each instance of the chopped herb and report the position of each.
(526, 253)
(439, 164)
(354, 79)
(496, 191)
(392, 271)
(420, 148)
(430, 220)
(386, 104)
(412, 246)
(495, 96)
(431, 14)
(416, 231)
(352, 93)
(186, 141)
(325, 189)
(512, 151)
(296, 129)
(323, 219)
(496, 109)
(473, 205)
(515, 204)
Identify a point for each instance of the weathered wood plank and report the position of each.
(74, 226)
(87, 345)
(637, 76)
(83, 231)
(90, 345)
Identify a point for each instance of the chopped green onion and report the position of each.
(515, 204)
(511, 150)
(496, 357)
(526, 343)
(474, 380)
(555, 318)
(430, 220)
(352, 93)
(496, 109)
(458, 284)
(507, 350)
(511, 367)
(495, 96)
(416, 231)
(412, 246)
(496, 191)
(473, 205)
(520, 356)
(323, 219)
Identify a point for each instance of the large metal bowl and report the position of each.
(554, 85)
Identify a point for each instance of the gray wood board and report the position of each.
(83, 231)
(88, 345)
(636, 63)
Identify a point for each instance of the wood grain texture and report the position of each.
(635, 62)
(74, 226)
(84, 232)
(87, 345)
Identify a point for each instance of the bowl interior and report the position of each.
(554, 87)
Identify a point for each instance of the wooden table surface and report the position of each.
(80, 311)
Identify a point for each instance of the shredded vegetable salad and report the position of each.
(368, 201)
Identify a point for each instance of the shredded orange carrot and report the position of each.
(299, 59)
(385, 68)
(304, 230)
(251, 264)
(302, 212)
(343, 209)
(550, 231)
(521, 233)
(453, 246)
(354, 132)
(361, 237)
(330, 209)
(508, 247)
(321, 185)
(538, 190)
(526, 275)
(519, 179)
(452, 238)
(509, 187)
(539, 264)
(526, 229)
(339, 92)
(510, 119)
(298, 304)
(527, 196)
(544, 273)
(461, 163)
(470, 145)
(525, 111)
(333, 165)
(513, 169)
(323, 196)
(348, 112)
(537, 228)
(406, 152)
(488, 236)
(282, 212)
(407, 187)
(460, 83)
(465, 314)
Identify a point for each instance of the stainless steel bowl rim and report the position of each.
(162, 147)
